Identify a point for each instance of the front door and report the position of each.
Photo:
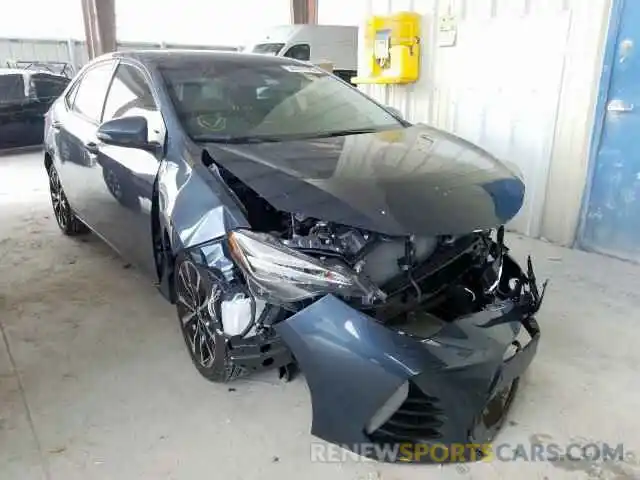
(612, 223)
(122, 178)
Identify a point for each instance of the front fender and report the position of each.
(194, 204)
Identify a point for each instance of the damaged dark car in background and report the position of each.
(25, 97)
(294, 221)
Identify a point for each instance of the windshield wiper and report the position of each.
(234, 140)
(246, 139)
(343, 133)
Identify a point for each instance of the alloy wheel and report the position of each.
(198, 326)
(61, 208)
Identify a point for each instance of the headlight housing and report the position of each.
(279, 274)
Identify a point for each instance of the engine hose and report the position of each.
(408, 258)
(416, 286)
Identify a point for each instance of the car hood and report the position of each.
(416, 180)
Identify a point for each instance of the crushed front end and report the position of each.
(377, 264)
(431, 356)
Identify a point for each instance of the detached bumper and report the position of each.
(371, 384)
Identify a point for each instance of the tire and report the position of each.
(67, 221)
(207, 346)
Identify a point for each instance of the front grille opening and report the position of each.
(418, 419)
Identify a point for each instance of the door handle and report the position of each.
(92, 147)
(56, 125)
(618, 106)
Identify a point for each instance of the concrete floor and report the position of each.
(96, 383)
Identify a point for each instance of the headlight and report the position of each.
(281, 274)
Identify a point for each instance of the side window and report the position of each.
(299, 52)
(49, 87)
(129, 94)
(93, 86)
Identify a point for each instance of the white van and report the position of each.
(335, 44)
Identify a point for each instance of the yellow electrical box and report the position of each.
(392, 46)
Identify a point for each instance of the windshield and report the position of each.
(268, 48)
(270, 101)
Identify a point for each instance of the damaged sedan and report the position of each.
(293, 221)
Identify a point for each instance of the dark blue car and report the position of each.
(292, 220)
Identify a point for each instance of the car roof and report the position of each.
(174, 57)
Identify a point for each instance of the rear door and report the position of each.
(44, 89)
(122, 178)
(76, 125)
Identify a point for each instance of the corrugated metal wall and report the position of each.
(521, 82)
(73, 52)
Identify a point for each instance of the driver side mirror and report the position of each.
(129, 132)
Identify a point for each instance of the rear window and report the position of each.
(12, 89)
(268, 48)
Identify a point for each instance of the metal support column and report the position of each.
(99, 26)
(304, 12)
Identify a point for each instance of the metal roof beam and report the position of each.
(99, 26)
(304, 12)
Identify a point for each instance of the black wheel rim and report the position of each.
(192, 300)
(58, 199)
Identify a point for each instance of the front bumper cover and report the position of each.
(460, 381)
